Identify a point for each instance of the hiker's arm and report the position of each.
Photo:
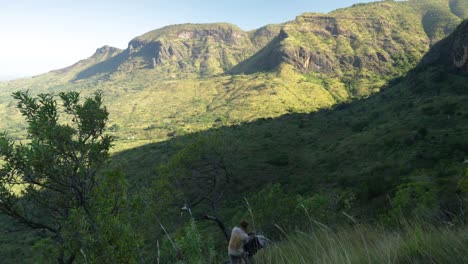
(245, 238)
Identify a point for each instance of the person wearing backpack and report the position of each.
(239, 237)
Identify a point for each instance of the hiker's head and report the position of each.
(244, 225)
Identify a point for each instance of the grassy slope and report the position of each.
(414, 244)
(145, 110)
(439, 16)
(370, 147)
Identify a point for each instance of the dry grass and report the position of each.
(413, 244)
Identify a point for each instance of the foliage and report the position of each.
(414, 200)
(270, 207)
(85, 217)
(57, 167)
(192, 247)
(401, 159)
(111, 238)
(463, 183)
(459, 8)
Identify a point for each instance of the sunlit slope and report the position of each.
(415, 130)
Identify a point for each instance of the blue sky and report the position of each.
(38, 36)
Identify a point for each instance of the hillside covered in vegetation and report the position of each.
(331, 121)
(186, 78)
(399, 153)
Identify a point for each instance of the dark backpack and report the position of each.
(254, 245)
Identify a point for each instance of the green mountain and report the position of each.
(186, 78)
(401, 151)
(364, 41)
(415, 121)
(185, 50)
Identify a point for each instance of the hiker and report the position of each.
(239, 238)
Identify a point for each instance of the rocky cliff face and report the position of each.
(383, 38)
(451, 53)
(315, 61)
(360, 47)
(205, 50)
(188, 50)
(366, 41)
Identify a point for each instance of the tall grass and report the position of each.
(361, 244)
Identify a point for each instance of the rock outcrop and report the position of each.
(451, 53)
(204, 49)
(383, 38)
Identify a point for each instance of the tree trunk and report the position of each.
(221, 226)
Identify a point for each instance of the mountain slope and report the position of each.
(358, 44)
(359, 158)
(459, 8)
(451, 52)
(402, 151)
(101, 56)
(186, 78)
(182, 50)
(423, 116)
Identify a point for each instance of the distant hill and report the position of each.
(186, 50)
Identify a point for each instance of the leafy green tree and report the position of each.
(273, 207)
(54, 172)
(108, 237)
(416, 199)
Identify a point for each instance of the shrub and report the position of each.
(413, 199)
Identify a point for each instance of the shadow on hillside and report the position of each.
(270, 147)
(350, 144)
(267, 59)
(106, 67)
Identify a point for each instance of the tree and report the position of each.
(56, 168)
(201, 172)
(109, 236)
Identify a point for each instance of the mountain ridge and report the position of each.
(194, 50)
(191, 77)
(439, 17)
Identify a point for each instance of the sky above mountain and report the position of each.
(39, 36)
